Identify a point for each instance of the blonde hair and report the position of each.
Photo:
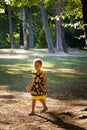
(38, 61)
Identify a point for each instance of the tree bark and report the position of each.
(46, 27)
(31, 39)
(62, 29)
(10, 27)
(58, 29)
(64, 45)
(84, 10)
(21, 36)
(24, 28)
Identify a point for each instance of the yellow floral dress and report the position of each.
(36, 90)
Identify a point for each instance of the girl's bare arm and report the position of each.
(29, 85)
(44, 79)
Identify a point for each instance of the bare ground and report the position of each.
(62, 114)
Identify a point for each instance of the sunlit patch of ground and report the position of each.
(20, 53)
(62, 115)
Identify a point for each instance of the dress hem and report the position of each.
(38, 97)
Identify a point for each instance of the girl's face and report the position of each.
(37, 66)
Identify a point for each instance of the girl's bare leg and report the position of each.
(44, 105)
(33, 105)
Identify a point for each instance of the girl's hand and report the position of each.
(29, 85)
(27, 88)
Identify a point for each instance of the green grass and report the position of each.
(61, 72)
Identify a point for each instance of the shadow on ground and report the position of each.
(58, 121)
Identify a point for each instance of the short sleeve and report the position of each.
(42, 71)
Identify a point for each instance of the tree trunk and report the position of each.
(64, 45)
(21, 36)
(31, 39)
(10, 27)
(62, 29)
(58, 29)
(84, 10)
(47, 29)
(24, 28)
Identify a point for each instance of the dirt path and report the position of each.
(62, 115)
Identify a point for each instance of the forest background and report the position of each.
(40, 24)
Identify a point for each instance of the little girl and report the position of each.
(38, 86)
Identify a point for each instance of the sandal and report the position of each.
(31, 114)
(44, 110)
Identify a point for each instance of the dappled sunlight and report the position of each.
(36, 53)
(48, 65)
(72, 71)
(50, 70)
(13, 72)
(60, 71)
(68, 76)
(15, 69)
(64, 70)
(13, 56)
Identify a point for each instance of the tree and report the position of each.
(84, 10)
(62, 29)
(46, 27)
(26, 4)
(24, 28)
(60, 38)
(58, 28)
(21, 35)
(22, 4)
(43, 33)
(10, 26)
(31, 39)
(73, 23)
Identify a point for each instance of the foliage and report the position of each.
(73, 12)
(73, 23)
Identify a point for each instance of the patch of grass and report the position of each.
(61, 72)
